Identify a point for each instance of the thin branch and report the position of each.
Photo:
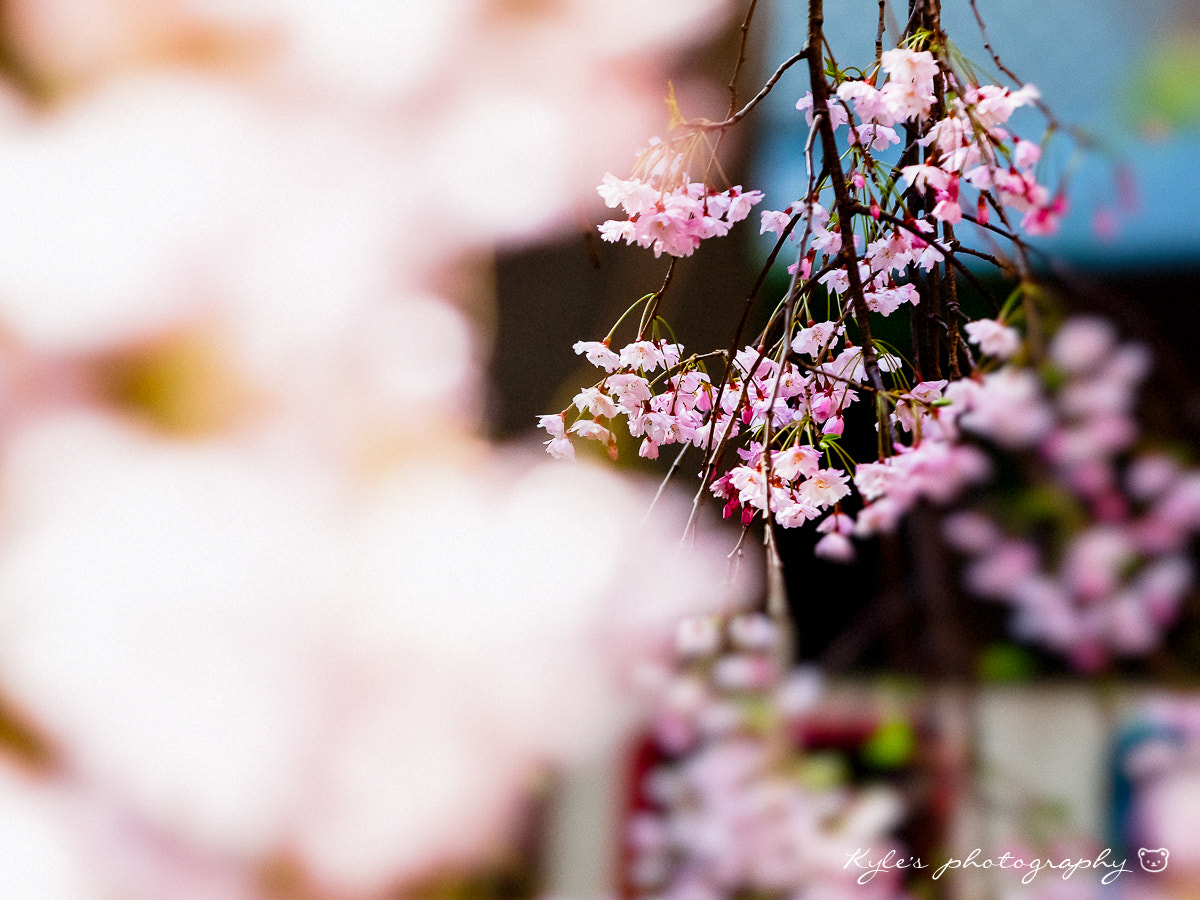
(958, 247)
(711, 458)
(784, 346)
(708, 467)
(777, 605)
(990, 227)
(670, 474)
(788, 315)
(741, 60)
(741, 326)
(705, 125)
(824, 373)
(845, 204)
(652, 308)
(916, 12)
(949, 288)
(805, 288)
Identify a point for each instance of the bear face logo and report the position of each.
(1153, 860)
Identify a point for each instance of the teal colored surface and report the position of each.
(1107, 66)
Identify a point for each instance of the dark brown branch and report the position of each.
(844, 203)
(958, 247)
(949, 297)
(797, 360)
(990, 227)
(652, 309)
(845, 206)
(879, 31)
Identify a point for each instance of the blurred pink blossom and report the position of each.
(256, 658)
(333, 630)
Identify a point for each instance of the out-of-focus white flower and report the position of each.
(257, 659)
(370, 50)
(283, 166)
(41, 857)
(333, 632)
(1082, 343)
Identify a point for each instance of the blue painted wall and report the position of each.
(1128, 71)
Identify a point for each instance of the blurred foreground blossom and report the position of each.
(262, 661)
(281, 623)
(263, 183)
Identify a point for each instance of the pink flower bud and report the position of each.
(982, 213)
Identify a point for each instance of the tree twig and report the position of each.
(741, 60)
(652, 308)
(705, 125)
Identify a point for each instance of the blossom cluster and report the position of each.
(670, 213)
(969, 143)
(886, 257)
(969, 146)
(798, 387)
(1112, 585)
(1112, 575)
(769, 423)
(731, 805)
(805, 478)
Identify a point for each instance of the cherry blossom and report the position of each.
(670, 214)
(993, 338)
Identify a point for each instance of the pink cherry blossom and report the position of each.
(596, 402)
(799, 460)
(672, 218)
(835, 547)
(870, 105)
(837, 113)
(994, 338)
(644, 355)
(824, 488)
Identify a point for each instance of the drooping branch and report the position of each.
(844, 203)
(946, 251)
